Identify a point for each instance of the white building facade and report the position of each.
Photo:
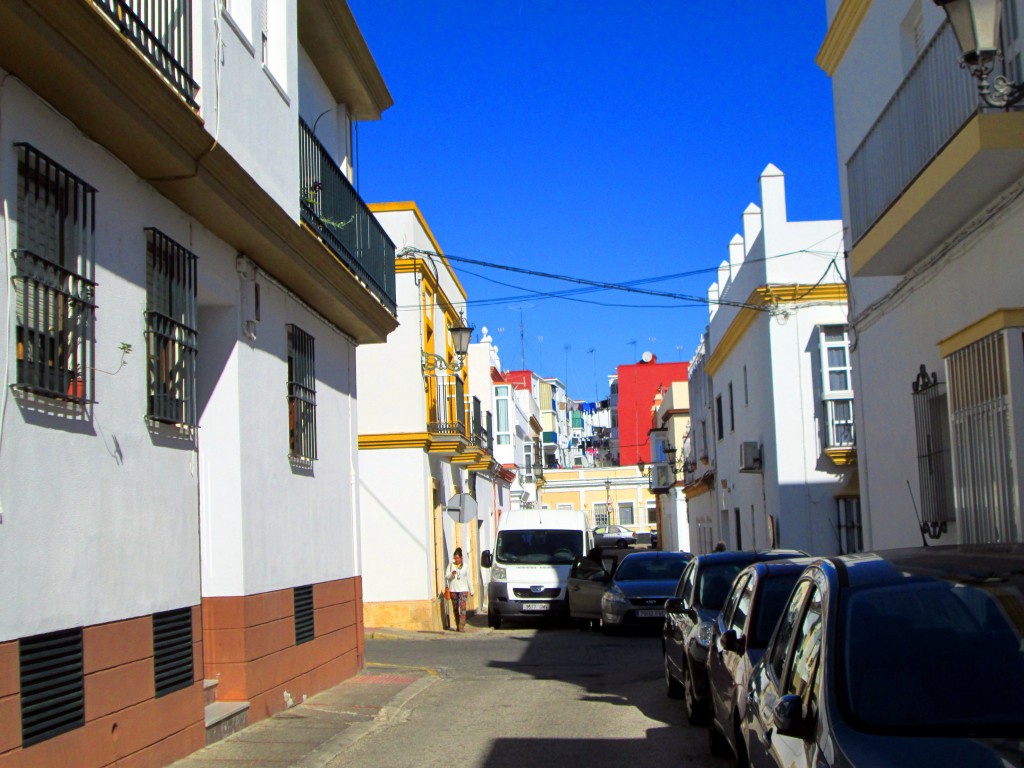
(771, 454)
(178, 462)
(936, 284)
(425, 439)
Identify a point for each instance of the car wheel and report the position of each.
(609, 629)
(716, 741)
(695, 709)
(672, 687)
(494, 620)
(620, 544)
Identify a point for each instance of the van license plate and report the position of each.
(536, 606)
(650, 614)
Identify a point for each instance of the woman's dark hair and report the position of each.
(458, 551)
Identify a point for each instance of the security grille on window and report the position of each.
(54, 266)
(836, 386)
(934, 461)
(851, 535)
(301, 395)
(979, 405)
(600, 514)
(171, 336)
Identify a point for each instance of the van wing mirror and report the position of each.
(731, 642)
(485, 559)
(788, 716)
(674, 605)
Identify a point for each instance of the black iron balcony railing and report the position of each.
(932, 104)
(162, 31)
(482, 433)
(447, 406)
(332, 208)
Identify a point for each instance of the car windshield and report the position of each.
(772, 596)
(714, 582)
(650, 569)
(546, 547)
(935, 656)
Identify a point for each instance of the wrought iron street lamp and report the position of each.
(461, 335)
(976, 26)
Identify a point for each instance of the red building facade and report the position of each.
(638, 384)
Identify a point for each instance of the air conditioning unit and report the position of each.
(662, 477)
(750, 457)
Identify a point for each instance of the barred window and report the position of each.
(837, 386)
(851, 533)
(934, 460)
(171, 336)
(301, 395)
(54, 267)
(981, 426)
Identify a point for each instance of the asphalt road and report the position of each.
(524, 696)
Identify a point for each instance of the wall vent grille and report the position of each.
(172, 650)
(304, 614)
(52, 685)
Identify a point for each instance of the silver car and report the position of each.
(613, 536)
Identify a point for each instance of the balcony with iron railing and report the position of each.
(931, 143)
(447, 417)
(161, 30)
(332, 208)
(482, 434)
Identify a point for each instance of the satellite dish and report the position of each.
(647, 357)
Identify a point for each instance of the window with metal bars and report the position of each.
(304, 625)
(934, 461)
(52, 685)
(172, 651)
(301, 395)
(981, 428)
(171, 336)
(54, 269)
(837, 386)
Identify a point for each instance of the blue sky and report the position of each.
(614, 142)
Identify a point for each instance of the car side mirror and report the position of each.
(788, 716)
(485, 559)
(733, 643)
(674, 605)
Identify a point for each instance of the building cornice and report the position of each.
(997, 321)
(410, 206)
(841, 33)
(420, 440)
(768, 296)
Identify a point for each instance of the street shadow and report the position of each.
(658, 746)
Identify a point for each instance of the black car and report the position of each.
(689, 621)
(908, 657)
(741, 633)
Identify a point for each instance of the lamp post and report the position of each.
(976, 26)
(461, 334)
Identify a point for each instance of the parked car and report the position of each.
(613, 536)
(909, 657)
(689, 621)
(638, 589)
(588, 580)
(741, 633)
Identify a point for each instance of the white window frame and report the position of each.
(839, 432)
(623, 506)
(502, 403)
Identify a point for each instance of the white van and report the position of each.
(533, 554)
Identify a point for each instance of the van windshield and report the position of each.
(547, 547)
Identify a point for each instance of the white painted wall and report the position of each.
(99, 516)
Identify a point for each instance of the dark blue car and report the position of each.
(638, 589)
(901, 658)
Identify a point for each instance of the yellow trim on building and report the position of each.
(842, 457)
(411, 206)
(983, 132)
(841, 33)
(403, 614)
(765, 296)
(999, 320)
(420, 440)
(696, 490)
